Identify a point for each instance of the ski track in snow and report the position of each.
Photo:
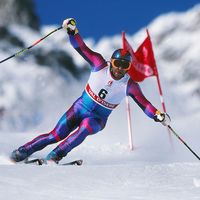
(132, 180)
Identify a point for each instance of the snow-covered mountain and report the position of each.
(37, 88)
(21, 12)
(175, 41)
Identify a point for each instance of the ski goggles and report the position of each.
(119, 63)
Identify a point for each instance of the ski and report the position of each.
(42, 161)
(36, 161)
(75, 162)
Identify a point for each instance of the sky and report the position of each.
(107, 17)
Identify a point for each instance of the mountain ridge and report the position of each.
(173, 51)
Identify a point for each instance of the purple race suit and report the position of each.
(89, 113)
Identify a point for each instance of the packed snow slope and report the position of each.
(34, 96)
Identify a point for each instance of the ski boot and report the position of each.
(19, 154)
(52, 157)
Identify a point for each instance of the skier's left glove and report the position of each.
(70, 25)
(163, 118)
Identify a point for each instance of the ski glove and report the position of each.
(163, 118)
(70, 25)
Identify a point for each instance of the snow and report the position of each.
(34, 98)
(127, 181)
(154, 170)
(110, 171)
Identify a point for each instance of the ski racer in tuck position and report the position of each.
(108, 84)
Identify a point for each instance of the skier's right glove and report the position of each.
(163, 118)
(70, 25)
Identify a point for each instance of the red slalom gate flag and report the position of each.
(143, 64)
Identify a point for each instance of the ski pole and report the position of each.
(34, 44)
(183, 141)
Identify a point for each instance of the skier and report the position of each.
(108, 84)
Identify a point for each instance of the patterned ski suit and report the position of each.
(89, 113)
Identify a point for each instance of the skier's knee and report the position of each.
(54, 137)
(92, 125)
